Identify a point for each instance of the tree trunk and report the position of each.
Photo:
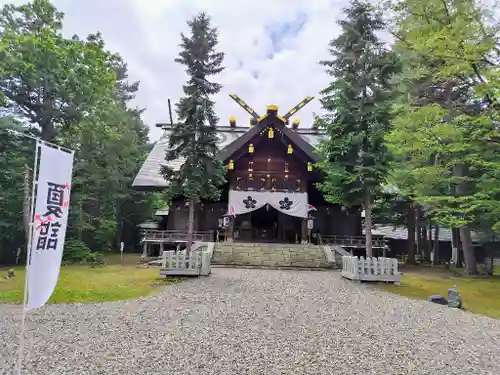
(80, 214)
(460, 170)
(430, 243)
(435, 241)
(490, 259)
(120, 223)
(436, 244)
(27, 204)
(48, 132)
(45, 121)
(190, 226)
(418, 226)
(425, 241)
(469, 255)
(410, 243)
(455, 243)
(368, 223)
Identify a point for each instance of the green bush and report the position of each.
(75, 251)
(95, 259)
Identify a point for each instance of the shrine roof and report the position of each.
(401, 233)
(149, 176)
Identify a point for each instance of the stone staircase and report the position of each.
(271, 255)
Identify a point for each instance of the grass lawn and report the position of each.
(117, 280)
(480, 295)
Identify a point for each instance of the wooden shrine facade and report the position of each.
(274, 162)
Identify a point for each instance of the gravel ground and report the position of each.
(255, 322)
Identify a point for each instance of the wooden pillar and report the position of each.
(161, 249)
(144, 249)
(304, 238)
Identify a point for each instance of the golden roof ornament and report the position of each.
(272, 110)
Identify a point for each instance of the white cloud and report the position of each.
(147, 35)
(284, 79)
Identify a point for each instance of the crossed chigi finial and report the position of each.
(271, 110)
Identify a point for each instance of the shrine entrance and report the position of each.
(267, 224)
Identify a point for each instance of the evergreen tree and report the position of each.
(358, 113)
(194, 136)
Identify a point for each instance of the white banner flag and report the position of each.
(49, 226)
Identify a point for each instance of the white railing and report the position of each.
(180, 264)
(370, 269)
(158, 236)
(378, 242)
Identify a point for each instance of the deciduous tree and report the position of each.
(445, 131)
(48, 79)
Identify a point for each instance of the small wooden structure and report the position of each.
(169, 240)
(370, 269)
(178, 263)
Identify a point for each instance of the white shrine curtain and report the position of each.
(242, 202)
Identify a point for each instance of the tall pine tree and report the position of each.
(358, 105)
(194, 136)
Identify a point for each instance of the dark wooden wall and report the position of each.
(330, 219)
(205, 218)
(269, 161)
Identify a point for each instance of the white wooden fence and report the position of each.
(179, 264)
(370, 269)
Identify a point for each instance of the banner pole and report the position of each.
(28, 256)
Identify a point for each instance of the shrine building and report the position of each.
(270, 194)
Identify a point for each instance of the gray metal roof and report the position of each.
(162, 212)
(401, 233)
(149, 175)
(148, 225)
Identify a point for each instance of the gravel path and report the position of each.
(255, 322)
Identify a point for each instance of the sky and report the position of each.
(272, 49)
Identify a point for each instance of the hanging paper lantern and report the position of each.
(230, 165)
(250, 148)
(309, 167)
(286, 167)
(270, 133)
(289, 150)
